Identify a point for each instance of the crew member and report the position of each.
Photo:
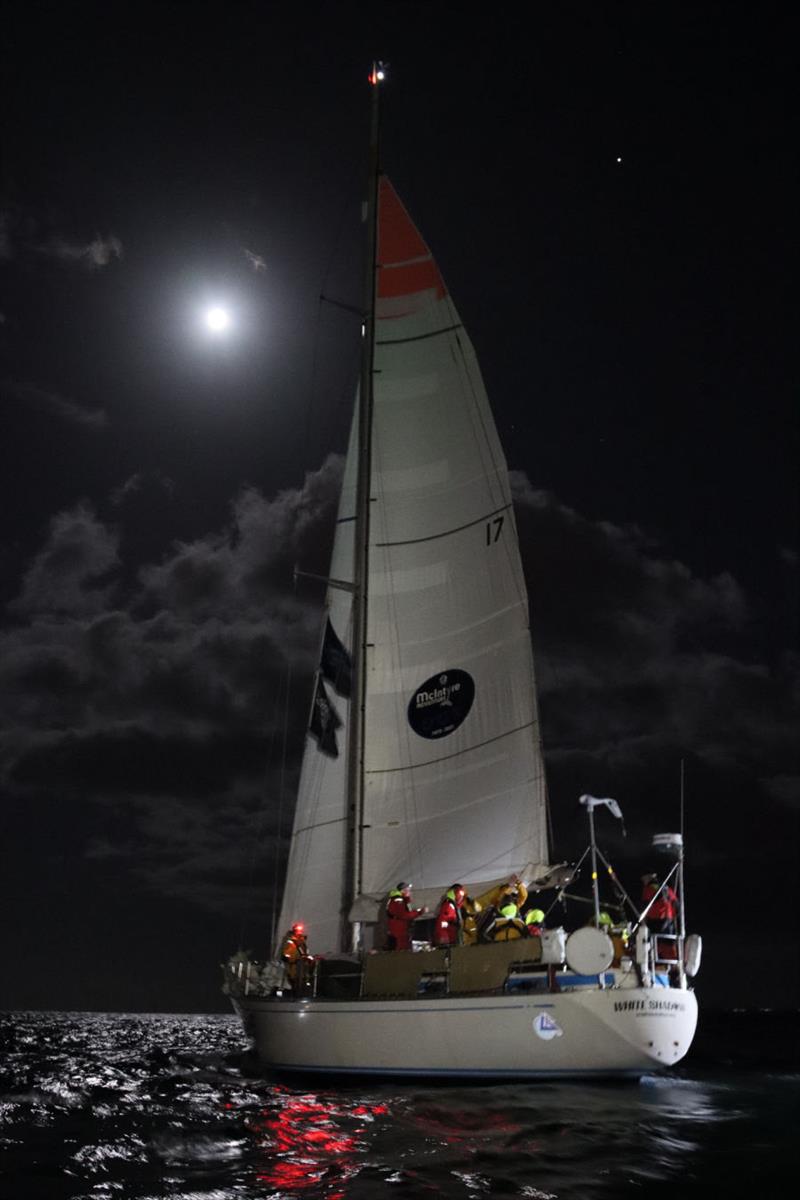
(660, 919)
(295, 957)
(619, 934)
(534, 918)
(513, 891)
(604, 922)
(447, 926)
(507, 924)
(661, 915)
(470, 914)
(399, 915)
(492, 901)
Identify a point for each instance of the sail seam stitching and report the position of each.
(420, 337)
(468, 750)
(447, 532)
(406, 262)
(317, 825)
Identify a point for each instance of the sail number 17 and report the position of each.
(493, 529)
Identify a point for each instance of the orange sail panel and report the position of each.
(405, 264)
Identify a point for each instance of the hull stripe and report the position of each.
(475, 1073)
(318, 1010)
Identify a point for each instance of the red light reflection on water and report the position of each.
(465, 1128)
(311, 1139)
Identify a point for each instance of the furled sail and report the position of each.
(453, 774)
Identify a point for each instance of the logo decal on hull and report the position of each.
(546, 1028)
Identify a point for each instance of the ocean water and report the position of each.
(151, 1106)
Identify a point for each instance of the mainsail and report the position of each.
(453, 783)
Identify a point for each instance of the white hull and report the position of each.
(617, 1031)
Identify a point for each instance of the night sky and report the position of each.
(608, 190)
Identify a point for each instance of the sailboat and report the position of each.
(423, 759)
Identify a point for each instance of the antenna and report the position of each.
(682, 886)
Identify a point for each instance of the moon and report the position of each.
(218, 320)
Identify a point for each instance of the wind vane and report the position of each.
(612, 806)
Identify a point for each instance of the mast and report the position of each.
(595, 885)
(681, 887)
(356, 731)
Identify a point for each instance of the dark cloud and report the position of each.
(159, 695)
(140, 482)
(93, 255)
(785, 788)
(5, 235)
(51, 402)
(69, 575)
(23, 233)
(203, 853)
(256, 261)
(163, 691)
(636, 655)
(144, 707)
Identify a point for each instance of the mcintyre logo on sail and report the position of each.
(441, 703)
(324, 722)
(335, 663)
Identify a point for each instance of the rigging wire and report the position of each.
(255, 843)
(324, 299)
(281, 794)
(284, 692)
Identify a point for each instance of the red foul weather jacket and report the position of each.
(448, 924)
(399, 915)
(664, 907)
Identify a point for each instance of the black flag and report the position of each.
(335, 662)
(324, 722)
